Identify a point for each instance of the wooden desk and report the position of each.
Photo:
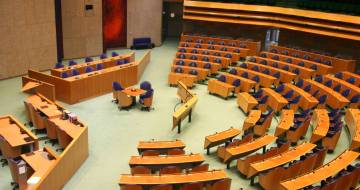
(219, 138)
(307, 101)
(34, 86)
(236, 152)
(107, 62)
(322, 69)
(251, 119)
(225, 62)
(286, 121)
(161, 146)
(347, 75)
(280, 159)
(243, 51)
(352, 119)
(17, 136)
(354, 90)
(305, 72)
(43, 105)
(265, 80)
(187, 79)
(181, 113)
(39, 162)
(234, 56)
(78, 88)
(276, 101)
(246, 102)
(202, 73)
(246, 84)
(215, 67)
(254, 47)
(338, 64)
(220, 88)
(128, 179)
(327, 170)
(30, 85)
(285, 76)
(134, 91)
(183, 161)
(321, 122)
(334, 99)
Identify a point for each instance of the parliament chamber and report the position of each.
(180, 94)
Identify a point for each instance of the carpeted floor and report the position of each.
(113, 134)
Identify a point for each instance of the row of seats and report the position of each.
(87, 60)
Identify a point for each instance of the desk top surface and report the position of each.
(172, 178)
(323, 172)
(134, 91)
(166, 159)
(328, 91)
(278, 97)
(227, 134)
(13, 133)
(70, 128)
(49, 109)
(302, 93)
(322, 122)
(287, 119)
(39, 162)
(281, 159)
(251, 146)
(153, 145)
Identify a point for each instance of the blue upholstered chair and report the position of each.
(277, 75)
(193, 72)
(217, 60)
(266, 71)
(286, 67)
(318, 60)
(205, 59)
(193, 57)
(236, 82)
(346, 93)
(223, 49)
(306, 57)
(180, 62)
(72, 63)
(236, 50)
(89, 69)
(114, 54)
(185, 45)
(258, 94)
(182, 50)
(245, 75)
(181, 56)
(75, 72)
(243, 65)
(339, 75)
(222, 78)
(296, 71)
(275, 64)
(64, 75)
(211, 47)
(195, 51)
(232, 44)
(179, 70)
(216, 54)
(275, 57)
(313, 67)
(192, 64)
(103, 56)
(88, 59)
(289, 94)
(256, 79)
(120, 62)
(328, 83)
(315, 93)
(274, 50)
(351, 80)
(59, 65)
(197, 46)
(285, 52)
(207, 66)
(221, 43)
(199, 41)
(263, 62)
(322, 99)
(99, 66)
(233, 71)
(300, 83)
(228, 55)
(288, 60)
(146, 100)
(211, 42)
(263, 55)
(255, 68)
(307, 88)
(327, 62)
(319, 79)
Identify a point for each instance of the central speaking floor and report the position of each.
(114, 134)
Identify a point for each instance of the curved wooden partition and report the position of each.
(328, 24)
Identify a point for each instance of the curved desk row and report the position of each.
(242, 51)
(338, 64)
(352, 119)
(214, 67)
(232, 55)
(254, 47)
(223, 61)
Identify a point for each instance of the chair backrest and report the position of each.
(207, 66)
(88, 69)
(280, 88)
(263, 62)
(59, 65)
(307, 57)
(275, 57)
(264, 100)
(286, 67)
(319, 78)
(288, 60)
(256, 78)
(296, 71)
(273, 50)
(346, 93)
(228, 55)
(193, 57)
(211, 47)
(178, 70)
(244, 65)
(296, 99)
(193, 72)
(236, 82)
(328, 62)
(301, 64)
(193, 64)
(277, 75)
(313, 67)
(322, 99)
(300, 83)
(266, 71)
(255, 68)
(285, 52)
(339, 75)
(75, 72)
(72, 63)
(120, 62)
(103, 56)
(206, 59)
(181, 56)
(217, 60)
(88, 59)
(245, 75)
(114, 54)
(236, 50)
(233, 71)
(351, 80)
(99, 66)
(222, 78)
(145, 85)
(328, 83)
(355, 99)
(289, 94)
(182, 50)
(337, 88)
(192, 51)
(315, 93)
(117, 86)
(307, 88)
(180, 62)
(263, 55)
(64, 75)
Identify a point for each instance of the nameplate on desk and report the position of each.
(33, 180)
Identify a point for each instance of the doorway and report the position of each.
(114, 23)
(172, 19)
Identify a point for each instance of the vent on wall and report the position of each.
(89, 8)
